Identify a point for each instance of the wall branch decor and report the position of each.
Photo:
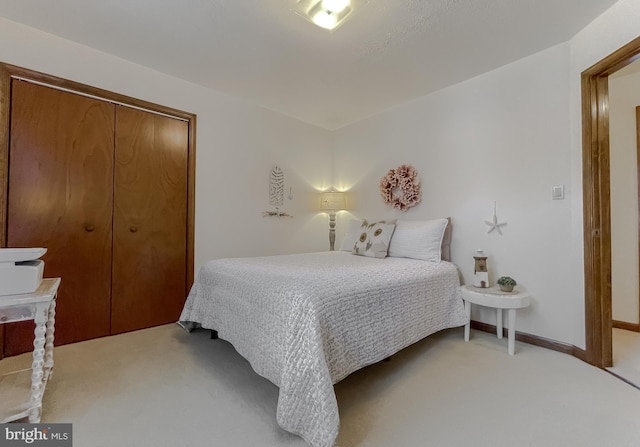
(276, 213)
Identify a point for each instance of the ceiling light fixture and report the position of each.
(325, 19)
(327, 14)
(335, 6)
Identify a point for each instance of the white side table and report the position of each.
(21, 391)
(494, 297)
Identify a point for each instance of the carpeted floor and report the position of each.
(626, 356)
(163, 387)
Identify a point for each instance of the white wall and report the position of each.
(237, 144)
(508, 135)
(502, 136)
(624, 97)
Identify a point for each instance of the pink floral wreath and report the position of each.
(400, 188)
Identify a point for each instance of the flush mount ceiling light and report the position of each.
(327, 14)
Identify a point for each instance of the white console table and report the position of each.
(493, 297)
(21, 391)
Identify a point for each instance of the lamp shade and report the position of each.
(333, 201)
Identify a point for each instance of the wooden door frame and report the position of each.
(7, 72)
(636, 327)
(597, 202)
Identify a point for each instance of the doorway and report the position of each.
(624, 113)
(597, 202)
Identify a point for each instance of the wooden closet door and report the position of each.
(60, 197)
(150, 220)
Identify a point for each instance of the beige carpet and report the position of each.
(164, 387)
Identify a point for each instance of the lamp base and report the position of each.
(332, 231)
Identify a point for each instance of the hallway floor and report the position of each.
(626, 356)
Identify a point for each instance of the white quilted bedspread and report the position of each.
(306, 321)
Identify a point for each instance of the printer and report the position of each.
(20, 270)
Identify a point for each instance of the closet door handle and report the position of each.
(133, 229)
(89, 228)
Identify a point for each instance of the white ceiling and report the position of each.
(388, 52)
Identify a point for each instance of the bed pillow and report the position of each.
(418, 239)
(374, 239)
(351, 236)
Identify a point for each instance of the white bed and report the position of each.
(306, 321)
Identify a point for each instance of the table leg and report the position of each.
(499, 323)
(467, 327)
(37, 367)
(49, 336)
(512, 331)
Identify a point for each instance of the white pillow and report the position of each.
(418, 239)
(351, 236)
(374, 239)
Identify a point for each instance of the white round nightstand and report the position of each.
(495, 298)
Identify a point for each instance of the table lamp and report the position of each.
(332, 202)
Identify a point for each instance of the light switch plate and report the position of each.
(557, 192)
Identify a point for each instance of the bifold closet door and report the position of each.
(60, 197)
(149, 220)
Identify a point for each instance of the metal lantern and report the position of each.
(480, 273)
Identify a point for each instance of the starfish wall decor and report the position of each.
(494, 224)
